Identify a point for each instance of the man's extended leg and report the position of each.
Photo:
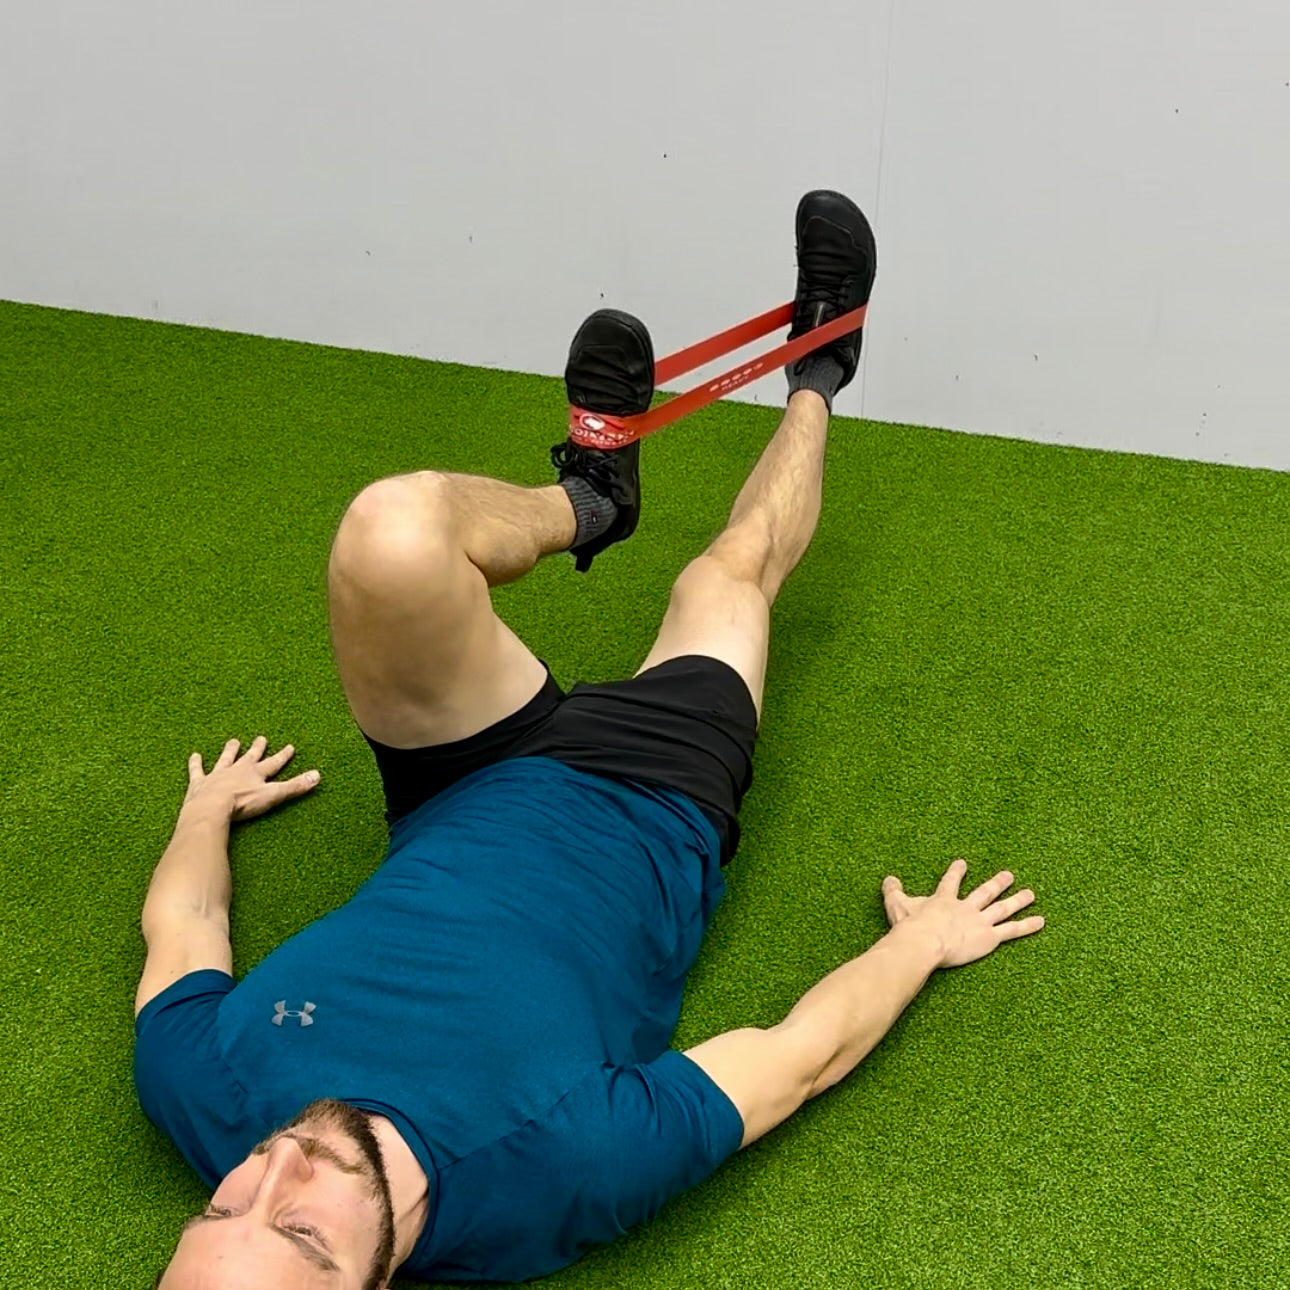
(720, 604)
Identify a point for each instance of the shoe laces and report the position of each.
(826, 274)
(822, 288)
(596, 467)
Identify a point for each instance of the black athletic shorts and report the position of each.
(687, 724)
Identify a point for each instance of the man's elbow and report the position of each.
(162, 919)
(814, 1058)
(831, 1073)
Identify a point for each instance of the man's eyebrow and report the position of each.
(310, 1251)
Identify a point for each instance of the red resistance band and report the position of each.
(600, 430)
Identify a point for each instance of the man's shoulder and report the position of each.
(183, 1001)
(176, 1036)
(605, 1156)
(182, 1082)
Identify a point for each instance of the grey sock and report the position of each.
(594, 513)
(819, 372)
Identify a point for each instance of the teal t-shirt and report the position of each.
(504, 988)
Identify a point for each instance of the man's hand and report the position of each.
(769, 1073)
(241, 785)
(185, 917)
(966, 929)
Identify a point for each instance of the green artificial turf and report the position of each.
(1070, 663)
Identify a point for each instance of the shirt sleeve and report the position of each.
(643, 1134)
(179, 1076)
(608, 1156)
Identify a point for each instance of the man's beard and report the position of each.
(354, 1124)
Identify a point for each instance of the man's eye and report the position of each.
(302, 1230)
(214, 1211)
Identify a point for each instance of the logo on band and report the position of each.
(591, 431)
(281, 1012)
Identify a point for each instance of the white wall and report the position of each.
(1080, 206)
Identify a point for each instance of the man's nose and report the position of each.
(285, 1164)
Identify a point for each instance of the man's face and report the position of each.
(308, 1208)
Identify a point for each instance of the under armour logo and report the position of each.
(281, 1012)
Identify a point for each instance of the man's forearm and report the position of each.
(844, 1016)
(193, 874)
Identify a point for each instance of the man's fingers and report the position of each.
(195, 771)
(271, 765)
(953, 879)
(996, 913)
(296, 786)
(990, 891)
(1023, 927)
(893, 892)
(229, 755)
(273, 794)
(256, 750)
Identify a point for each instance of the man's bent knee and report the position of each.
(394, 526)
(399, 502)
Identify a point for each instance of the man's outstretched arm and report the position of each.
(185, 916)
(768, 1074)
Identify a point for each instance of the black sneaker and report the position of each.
(611, 371)
(836, 263)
